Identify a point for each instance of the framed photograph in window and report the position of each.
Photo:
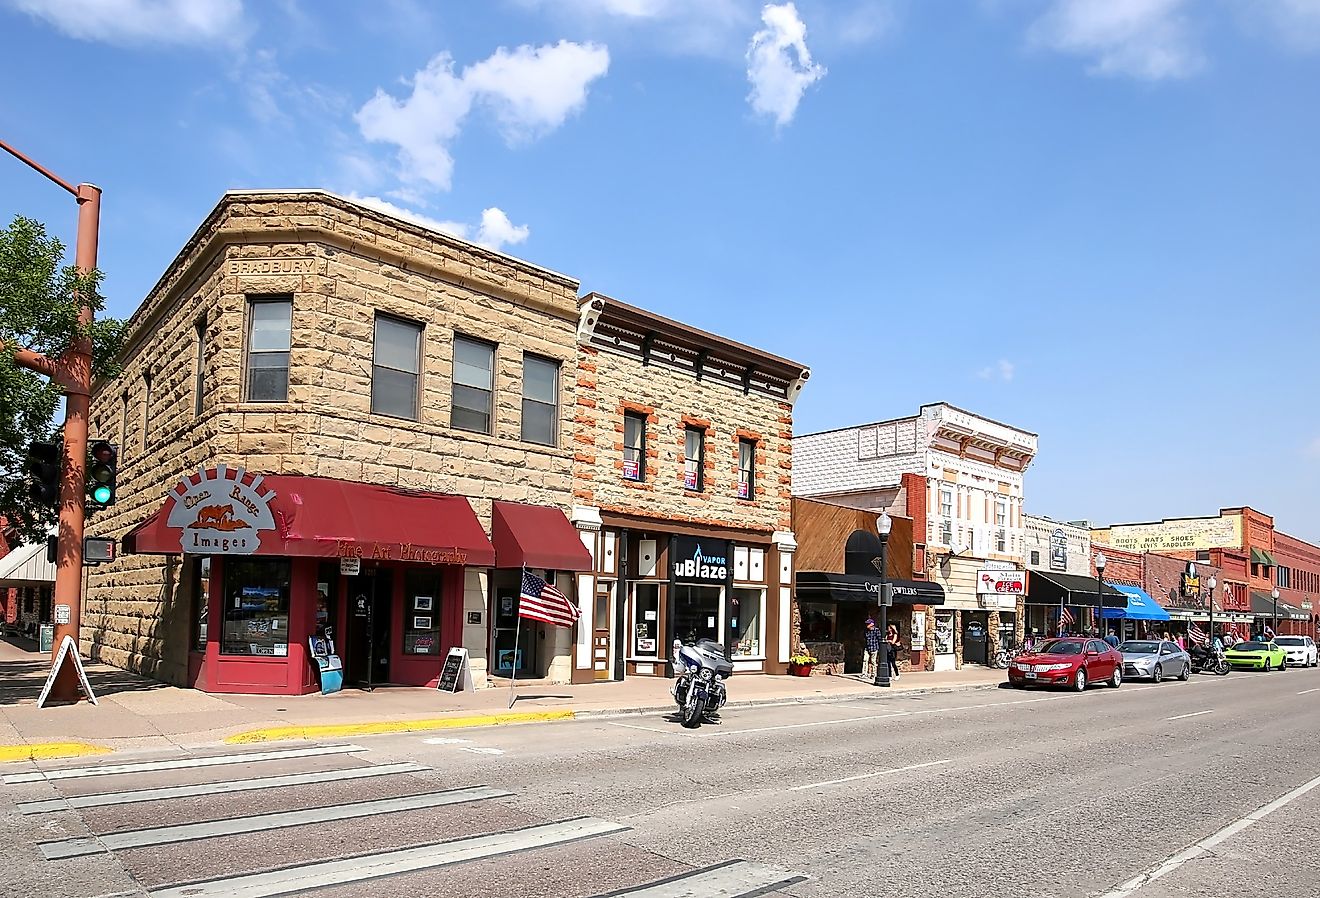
(423, 603)
(422, 623)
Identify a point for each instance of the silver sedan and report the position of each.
(1154, 659)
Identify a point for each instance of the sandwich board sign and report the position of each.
(67, 650)
(456, 674)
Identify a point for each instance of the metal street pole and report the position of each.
(883, 523)
(1099, 597)
(72, 371)
(1274, 594)
(1210, 603)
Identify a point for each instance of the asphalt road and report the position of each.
(978, 793)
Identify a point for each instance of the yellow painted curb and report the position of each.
(40, 751)
(375, 728)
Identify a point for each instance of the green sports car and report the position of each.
(1257, 656)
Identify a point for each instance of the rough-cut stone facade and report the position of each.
(610, 384)
(341, 264)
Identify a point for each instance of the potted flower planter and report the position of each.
(801, 665)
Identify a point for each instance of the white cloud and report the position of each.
(494, 232)
(531, 90)
(1146, 39)
(134, 22)
(779, 65)
(1001, 370)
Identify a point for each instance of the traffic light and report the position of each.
(101, 472)
(44, 474)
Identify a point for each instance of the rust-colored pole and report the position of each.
(77, 370)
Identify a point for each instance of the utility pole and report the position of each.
(72, 371)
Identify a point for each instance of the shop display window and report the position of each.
(819, 621)
(256, 596)
(646, 620)
(421, 612)
(200, 578)
(696, 611)
(944, 633)
(747, 623)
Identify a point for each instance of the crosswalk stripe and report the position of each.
(734, 879)
(390, 863)
(104, 799)
(165, 835)
(64, 773)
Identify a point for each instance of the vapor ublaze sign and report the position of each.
(700, 560)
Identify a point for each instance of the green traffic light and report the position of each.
(101, 495)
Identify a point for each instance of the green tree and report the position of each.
(40, 300)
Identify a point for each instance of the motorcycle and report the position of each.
(1209, 661)
(699, 687)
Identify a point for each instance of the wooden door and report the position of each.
(601, 642)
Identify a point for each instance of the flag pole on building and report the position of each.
(517, 634)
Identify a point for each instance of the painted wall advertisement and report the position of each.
(1179, 535)
(1058, 550)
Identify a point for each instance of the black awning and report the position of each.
(1070, 589)
(1262, 605)
(824, 586)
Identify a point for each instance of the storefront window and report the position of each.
(201, 591)
(819, 621)
(421, 616)
(646, 620)
(696, 612)
(746, 623)
(327, 598)
(256, 607)
(944, 632)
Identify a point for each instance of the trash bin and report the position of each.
(46, 637)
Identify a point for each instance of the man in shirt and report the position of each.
(871, 656)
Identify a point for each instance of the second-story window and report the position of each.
(395, 364)
(634, 446)
(746, 469)
(199, 376)
(269, 327)
(540, 402)
(474, 365)
(694, 457)
(946, 503)
(1001, 513)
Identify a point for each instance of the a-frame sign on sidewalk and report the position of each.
(67, 650)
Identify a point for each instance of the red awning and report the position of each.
(536, 536)
(324, 518)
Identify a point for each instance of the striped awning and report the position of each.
(27, 566)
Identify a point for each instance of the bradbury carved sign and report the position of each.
(272, 266)
(221, 511)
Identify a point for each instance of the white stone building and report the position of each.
(959, 476)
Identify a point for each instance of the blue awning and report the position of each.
(1140, 606)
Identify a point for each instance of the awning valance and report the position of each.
(826, 586)
(1070, 589)
(536, 536)
(1140, 606)
(229, 511)
(1260, 556)
(1263, 605)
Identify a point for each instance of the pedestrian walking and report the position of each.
(1112, 639)
(891, 651)
(871, 655)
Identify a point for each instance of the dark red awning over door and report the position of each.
(536, 536)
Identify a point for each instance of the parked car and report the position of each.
(1074, 661)
(1300, 650)
(1257, 655)
(1154, 659)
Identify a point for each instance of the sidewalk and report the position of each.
(135, 713)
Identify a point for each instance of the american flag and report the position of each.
(1197, 635)
(1065, 617)
(541, 601)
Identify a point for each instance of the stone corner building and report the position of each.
(331, 420)
(348, 355)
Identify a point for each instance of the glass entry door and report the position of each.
(698, 612)
(515, 638)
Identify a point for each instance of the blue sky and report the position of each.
(1094, 219)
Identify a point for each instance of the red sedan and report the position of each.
(1074, 661)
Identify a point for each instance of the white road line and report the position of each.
(734, 879)
(389, 863)
(177, 763)
(1193, 714)
(633, 726)
(166, 835)
(480, 750)
(1197, 849)
(1304, 691)
(104, 799)
(863, 776)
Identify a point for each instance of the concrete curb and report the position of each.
(382, 727)
(41, 751)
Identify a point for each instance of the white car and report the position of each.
(1301, 650)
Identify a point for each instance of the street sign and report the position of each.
(98, 550)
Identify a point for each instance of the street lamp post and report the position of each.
(1274, 594)
(883, 525)
(73, 372)
(1099, 598)
(1190, 574)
